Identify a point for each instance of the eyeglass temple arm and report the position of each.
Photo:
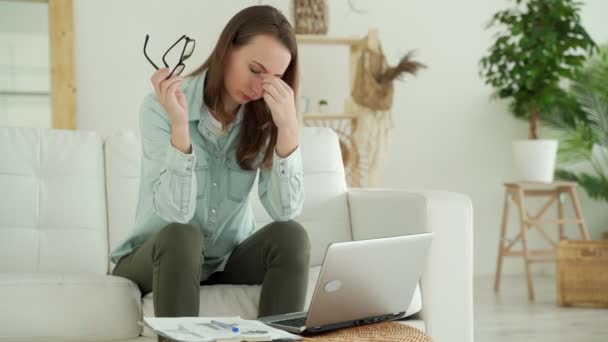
(172, 46)
(145, 54)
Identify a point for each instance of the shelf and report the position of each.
(24, 93)
(329, 116)
(328, 40)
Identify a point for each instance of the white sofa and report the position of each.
(68, 198)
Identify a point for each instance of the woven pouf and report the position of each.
(380, 332)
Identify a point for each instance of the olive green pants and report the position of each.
(169, 265)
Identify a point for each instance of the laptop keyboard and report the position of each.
(292, 322)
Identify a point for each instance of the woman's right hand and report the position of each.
(170, 96)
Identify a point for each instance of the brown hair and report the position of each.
(257, 129)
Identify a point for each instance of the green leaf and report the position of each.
(596, 107)
(595, 186)
(540, 42)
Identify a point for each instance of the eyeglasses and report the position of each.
(186, 53)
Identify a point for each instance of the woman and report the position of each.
(204, 138)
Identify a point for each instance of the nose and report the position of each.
(256, 89)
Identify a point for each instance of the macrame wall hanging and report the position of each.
(371, 102)
(365, 126)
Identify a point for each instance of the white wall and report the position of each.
(448, 135)
(24, 65)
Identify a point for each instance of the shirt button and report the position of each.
(213, 211)
(214, 184)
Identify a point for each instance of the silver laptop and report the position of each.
(361, 282)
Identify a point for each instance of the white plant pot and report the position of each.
(534, 160)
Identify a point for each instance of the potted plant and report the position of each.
(542, 42)
(583, 124)
(323, 106)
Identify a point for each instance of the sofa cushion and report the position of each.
(53, 212)
(68, 307)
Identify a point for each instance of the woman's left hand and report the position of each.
(280, 99)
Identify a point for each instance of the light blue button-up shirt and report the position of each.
(206, 188)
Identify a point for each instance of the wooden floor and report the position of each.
(508, 316)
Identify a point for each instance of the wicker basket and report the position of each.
(377, 332)
(311, 16)
(582, 273)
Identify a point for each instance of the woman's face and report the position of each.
(264, 55)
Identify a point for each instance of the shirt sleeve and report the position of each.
(167, 171)
(281, 188)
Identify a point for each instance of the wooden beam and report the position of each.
(546, 252)
(329, 116)
(63, 84)
(38, 1)
(534, 222)
(326, 40)
(539, 192)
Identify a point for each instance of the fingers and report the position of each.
(275, 83)
(269, 100)
(169, 86)
(157, 78)
(174, 90)
(162, 84)
(272, 90)
(279, 83)
(159, 75)
(285, 86)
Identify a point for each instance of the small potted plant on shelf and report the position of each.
(542, 42)
(323, 106)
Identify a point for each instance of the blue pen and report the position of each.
(226, 326)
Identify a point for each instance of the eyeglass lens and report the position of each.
(178, 69)
(189, 49)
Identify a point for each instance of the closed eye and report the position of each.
(262, 68)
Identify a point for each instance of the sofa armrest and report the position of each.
(447, 282)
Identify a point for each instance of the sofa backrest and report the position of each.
(53, 208)
(325, 214)
(123, 164)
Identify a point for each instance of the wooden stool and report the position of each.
(518, 191)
